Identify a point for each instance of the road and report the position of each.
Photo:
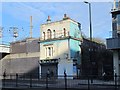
(59, 85)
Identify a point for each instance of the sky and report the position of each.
(17, 14)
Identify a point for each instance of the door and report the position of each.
(53, 69)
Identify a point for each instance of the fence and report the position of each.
(65, 82)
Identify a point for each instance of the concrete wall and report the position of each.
(24, 57)
(18, 47)
(21, 65)
(25, 46)
(4, 50)
(116, 62)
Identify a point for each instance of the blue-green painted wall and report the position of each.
(55, 41)
(75, 49)
(75, 30)
(75, 44)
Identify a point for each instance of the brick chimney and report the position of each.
(65, 17)
(48, 20)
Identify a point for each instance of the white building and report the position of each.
(60, 47)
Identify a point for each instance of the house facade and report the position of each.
(60, 47)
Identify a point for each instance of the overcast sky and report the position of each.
(17, 14)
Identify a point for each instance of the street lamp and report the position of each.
(90, 48)
(89, 19)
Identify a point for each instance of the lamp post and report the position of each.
(89, 19)
(90, 47)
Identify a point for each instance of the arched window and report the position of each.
(49, 34)
(54, 34)
(64, 32)
(44, 35)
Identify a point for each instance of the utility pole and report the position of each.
(31, 26)
(90, 21)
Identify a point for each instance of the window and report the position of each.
(54, 34)
(49, 34)
(49, 51)
(46, 52)
(52, 51)
(44, 35)
(64, 32)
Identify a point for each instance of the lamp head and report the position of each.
(86, 2)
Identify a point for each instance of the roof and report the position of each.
(61, 21)
(24, 40)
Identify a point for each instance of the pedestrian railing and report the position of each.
(63, 81)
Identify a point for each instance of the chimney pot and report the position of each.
(65, 15)
(48, 17)
(48, 20)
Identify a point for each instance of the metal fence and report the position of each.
(63, 81)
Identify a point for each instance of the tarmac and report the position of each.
(71, 85)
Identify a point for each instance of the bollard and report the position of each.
(115, 81)
(65, 77)
(91, 78)
(4, 77)
(16, 79)
(88, 83)
(47, 81)
(30, 80)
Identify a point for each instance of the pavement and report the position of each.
(60, 85)
(59, 89)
